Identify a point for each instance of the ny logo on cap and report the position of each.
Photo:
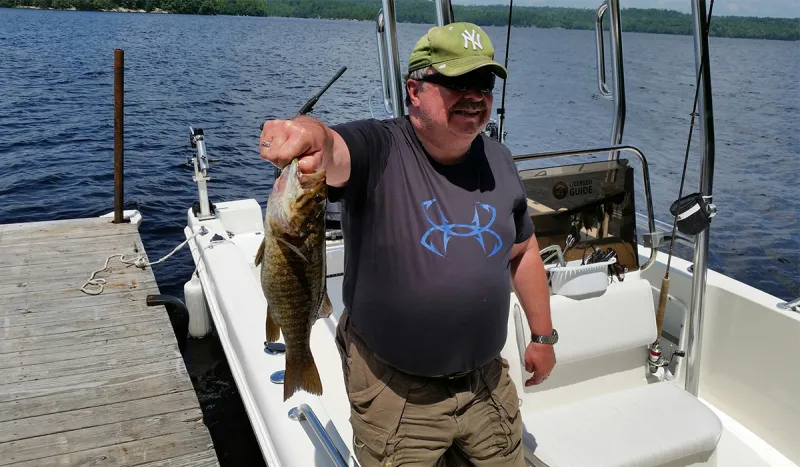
(475, 38)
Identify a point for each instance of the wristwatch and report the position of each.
(551, 339)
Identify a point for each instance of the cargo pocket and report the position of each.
(377, 394)
(507, 424)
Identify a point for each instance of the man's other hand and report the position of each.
(539, 360)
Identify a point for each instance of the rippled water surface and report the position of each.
(227, 74)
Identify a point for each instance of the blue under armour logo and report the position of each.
(474, 230)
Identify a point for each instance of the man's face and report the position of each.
(459, 106)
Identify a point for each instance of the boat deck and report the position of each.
(89, 379)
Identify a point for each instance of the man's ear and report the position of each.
(413, 88)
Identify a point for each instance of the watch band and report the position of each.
(551, 339)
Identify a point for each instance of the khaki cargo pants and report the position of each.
(400, 419)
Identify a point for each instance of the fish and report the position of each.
(294, 270)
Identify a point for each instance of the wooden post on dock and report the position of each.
(119, 105)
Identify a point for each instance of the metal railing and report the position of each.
(651, 225)
(389, 59)
(601, 53)
(304, 412)
(380, 31)
(612, 7)
(793, 305)
(443, 12)
(706, 130)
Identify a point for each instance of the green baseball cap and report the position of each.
(455, 49)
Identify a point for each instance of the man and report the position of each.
(436, 230)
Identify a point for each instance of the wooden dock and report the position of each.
(89, 379)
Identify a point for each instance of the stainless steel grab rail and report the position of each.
(443, 11)
(380, 27)
(790, 305)
(601, 57)
(619, 75)
(651, 225)
(304, 412)
(393, 59)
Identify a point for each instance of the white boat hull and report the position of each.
(748, 376)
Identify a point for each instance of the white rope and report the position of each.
(138, 261)
(101, 282)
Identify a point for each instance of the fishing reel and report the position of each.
(492, 130)
(693, 213)
(656, 360)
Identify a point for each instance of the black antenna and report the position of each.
(501, 112)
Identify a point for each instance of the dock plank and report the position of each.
(205, 459)
(150, 380)
(87, 350)
(88, 364)
(82, 439)
(131, 453)
(89, 379)
(29, 427)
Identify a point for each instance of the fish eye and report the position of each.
(318, 197)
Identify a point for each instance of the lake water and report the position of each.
(227, 74)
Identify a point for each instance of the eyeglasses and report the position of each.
(483, 82)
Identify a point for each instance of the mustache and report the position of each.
(480, 106)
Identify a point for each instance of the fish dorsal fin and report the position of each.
(326, 307)
(293, 248)
(260, 252)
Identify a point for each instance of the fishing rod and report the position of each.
(685, 209)
(501, 111)
(309, 106)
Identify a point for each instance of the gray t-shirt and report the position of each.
(427, 247)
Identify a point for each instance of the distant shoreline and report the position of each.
(421, 12)
(112, 10)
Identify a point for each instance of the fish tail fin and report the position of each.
(301, 374)
(273, 329)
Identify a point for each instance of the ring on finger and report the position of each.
(266, 144)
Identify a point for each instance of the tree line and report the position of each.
(421, 11)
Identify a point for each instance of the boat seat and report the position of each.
(649, 425)
(599, 408)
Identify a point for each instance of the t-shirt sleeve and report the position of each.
(522, 220)
(368, 142)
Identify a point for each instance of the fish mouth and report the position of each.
(299, 200)
(308, 181)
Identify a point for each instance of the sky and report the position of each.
(771, 8)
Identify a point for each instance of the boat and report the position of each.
(701, 374)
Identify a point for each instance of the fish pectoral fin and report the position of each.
(326, 307)
(293, 248)
(273, 328)
(260, 252)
